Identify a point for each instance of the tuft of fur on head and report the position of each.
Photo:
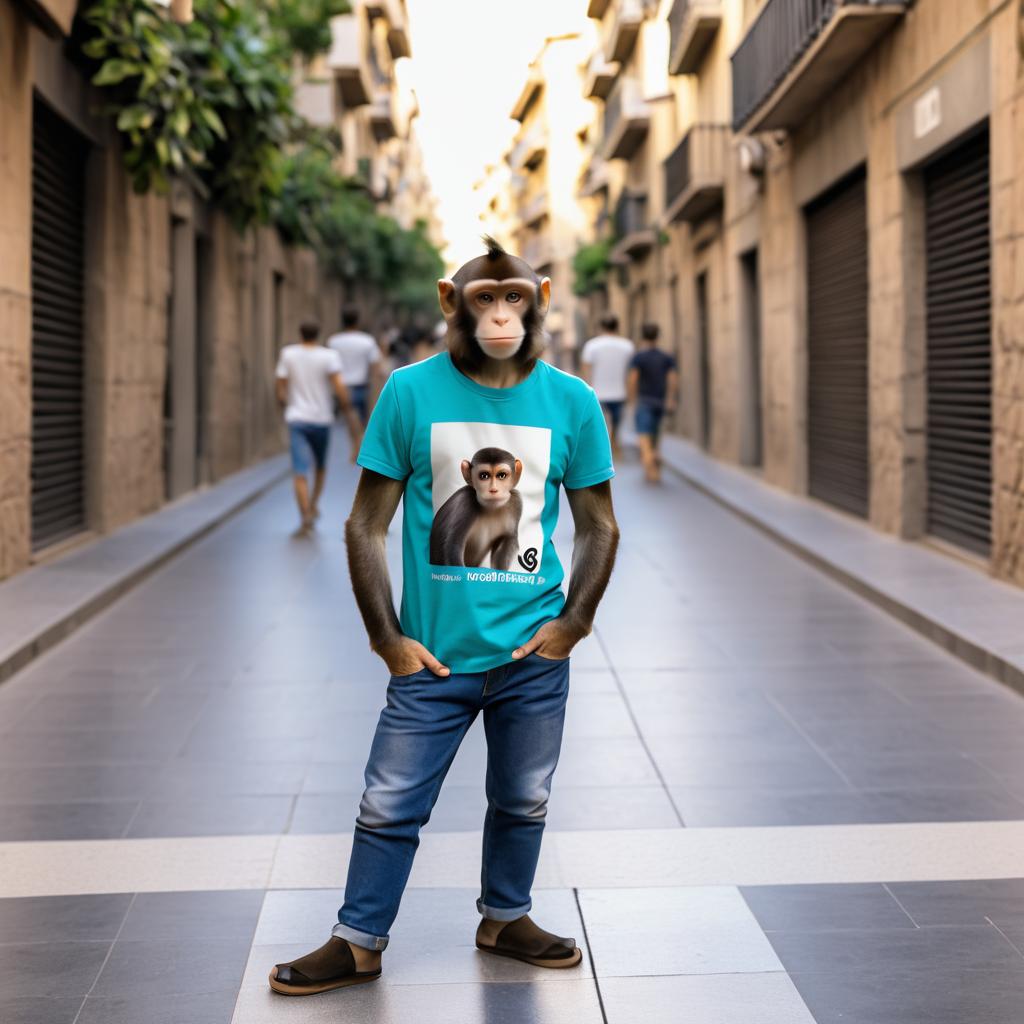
(495, 250)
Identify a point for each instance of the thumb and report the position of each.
(432, 663)
(528, 648)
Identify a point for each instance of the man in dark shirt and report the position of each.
(652, 384)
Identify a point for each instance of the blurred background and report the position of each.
(795, 750)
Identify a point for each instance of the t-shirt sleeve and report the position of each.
(587, 353)
(591, 459)
(333, 363)
(373, 352)
(282, 366)
(385, 447)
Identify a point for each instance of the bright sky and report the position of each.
(469, 61)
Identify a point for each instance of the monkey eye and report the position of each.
(501, 474)
(484, 475)
(513, 297)
(485, 298)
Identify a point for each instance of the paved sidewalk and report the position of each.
(957, 605)
(42, 605)
(775, 804)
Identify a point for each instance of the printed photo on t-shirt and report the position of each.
(488, 495)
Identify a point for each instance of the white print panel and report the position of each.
(450, 443)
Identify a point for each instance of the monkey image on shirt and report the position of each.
(481, 520)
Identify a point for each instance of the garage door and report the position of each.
(837, 347)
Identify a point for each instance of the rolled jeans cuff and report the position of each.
(357, 938)
(503, 913)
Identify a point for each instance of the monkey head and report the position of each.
(494, 474)
(495, 307)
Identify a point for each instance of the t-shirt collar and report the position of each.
(497, 394)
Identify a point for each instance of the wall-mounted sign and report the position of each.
(927, 113)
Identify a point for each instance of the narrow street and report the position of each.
(774, 805)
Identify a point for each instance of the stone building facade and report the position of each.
(827, 204)
(176, 329)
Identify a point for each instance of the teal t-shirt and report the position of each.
(429, 419)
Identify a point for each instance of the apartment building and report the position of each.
(138, 333)
(545, 221)
(823, 207)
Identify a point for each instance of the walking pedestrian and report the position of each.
(651, 385)
(306, 374)
(361, 363)
(475, 441)
(605, 359)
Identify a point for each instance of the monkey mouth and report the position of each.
(504, 338)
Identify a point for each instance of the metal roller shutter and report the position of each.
(959, 350)
(837, 347)
(58, 239)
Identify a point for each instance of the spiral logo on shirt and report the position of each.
(528, 559)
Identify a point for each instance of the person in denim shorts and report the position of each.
(652, 384)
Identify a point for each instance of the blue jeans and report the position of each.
(648, 417)
(426, 717)
(308, 442)
(359, 393)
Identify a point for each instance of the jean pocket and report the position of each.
(554, 661)
(409, 677)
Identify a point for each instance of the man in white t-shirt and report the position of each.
(308, 377)
(361, 365)
(605, 361)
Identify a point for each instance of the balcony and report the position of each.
(599, 77)
(347, 60)
(796, 52)
(635, 235)
(527, 96)
(692, 25)
(596, 8)
(314, 101)
(627, 119)
(594, 178)
(534, 209)
(538, 252)
(695, 173)
(529, 150)
(398, 29)
(383, 116)
(624, 30)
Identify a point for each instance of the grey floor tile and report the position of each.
(768, 998)
(218, 816)
(929, 950)
(84, 820)
(192, 915)
(39, 1009)
(824, 907)
(185, 1008)
(68, 783)
(963, 903)
(688, 930)
(155, 969)
(873, 996)
(186, 780)
(911, 770)
(717, 808)
(57, 969)
(62, 918)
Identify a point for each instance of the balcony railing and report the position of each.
(796, 51)
(627, 119)
(695, 173)
(636, 236)
(398, 30)
(348, 60)
(692, 25)
(383, 117)
(599, 77)
(534, 208)
(529, 150)
(624, 30)
(538, 251)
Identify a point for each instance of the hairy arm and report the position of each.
(355, 428)
(593, 556)
(366, 530)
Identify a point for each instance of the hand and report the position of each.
(555, 639)
(406, 656)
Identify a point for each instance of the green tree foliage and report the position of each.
(591, 266)
(214, 99)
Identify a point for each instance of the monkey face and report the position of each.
(492, 481)
(495, 307)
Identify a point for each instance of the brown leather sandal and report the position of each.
(522, 940)
(330, 966)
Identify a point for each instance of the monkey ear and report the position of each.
(544, 296)
(467, 467)
(517, 472)
(446, 296)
